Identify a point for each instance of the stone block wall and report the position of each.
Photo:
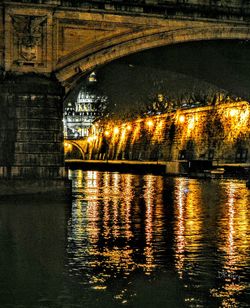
(31, 132)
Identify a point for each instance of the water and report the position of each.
(128, 241)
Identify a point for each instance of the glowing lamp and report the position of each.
(129, 127)
(181, 118)
(116, 130)
(106, 133)
(233, 112)
(68, 146)
(150, 123)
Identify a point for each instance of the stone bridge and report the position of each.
(46, 48)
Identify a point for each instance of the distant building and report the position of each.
(80, 115)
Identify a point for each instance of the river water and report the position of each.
(128, 241)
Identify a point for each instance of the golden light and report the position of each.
(191, 123)
(67, 146)
(181, 119)
(233, 112)
(116, 130)
(150, 123)
(128, 127)
(136, 132)
(90, 139)
(106, 133)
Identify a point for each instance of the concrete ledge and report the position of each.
(118, 165)
(54, 189)
(174, 168)
(177, 167)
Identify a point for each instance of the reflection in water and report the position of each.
(149, 198)
(131, 240)
(234, 245)
(127, 229)
(180, 229)
(188, 235)
(188, 223)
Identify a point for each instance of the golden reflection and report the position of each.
(106, 206)
(149, 197)
(188, 224)
(113, 212)
(193, 221)
(234, 226)
(126, 207)
(115, 189)
(115, 204)
(79, 228)
(92, 212)
(180, 196)
(79, 178)
(159, 209)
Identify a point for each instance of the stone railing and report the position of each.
(189, 8)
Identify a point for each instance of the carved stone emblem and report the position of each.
(28, 32)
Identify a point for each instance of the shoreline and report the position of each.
(178, 168)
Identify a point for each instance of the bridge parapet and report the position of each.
(71, 38)
(188, 8)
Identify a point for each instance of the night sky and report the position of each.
(177, 69)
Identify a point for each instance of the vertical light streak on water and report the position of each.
(106, 193)
(159, 219)
(234, 228)
(115, 204)
(92, 213)
(156, 229)
(128, 197)
(180, 241)
(193, 221)
(149, 197)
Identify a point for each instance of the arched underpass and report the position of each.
(55, 49)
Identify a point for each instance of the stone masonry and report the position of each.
(48, 46)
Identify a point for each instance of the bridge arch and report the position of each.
(83, 61)
(76, 144)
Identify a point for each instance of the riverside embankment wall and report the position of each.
(220, 133)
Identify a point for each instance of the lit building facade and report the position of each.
(80, 115)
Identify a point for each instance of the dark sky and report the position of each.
(175, 69)
(206, 66)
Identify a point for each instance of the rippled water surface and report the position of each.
(128, 241)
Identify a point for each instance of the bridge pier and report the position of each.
(31, 135)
